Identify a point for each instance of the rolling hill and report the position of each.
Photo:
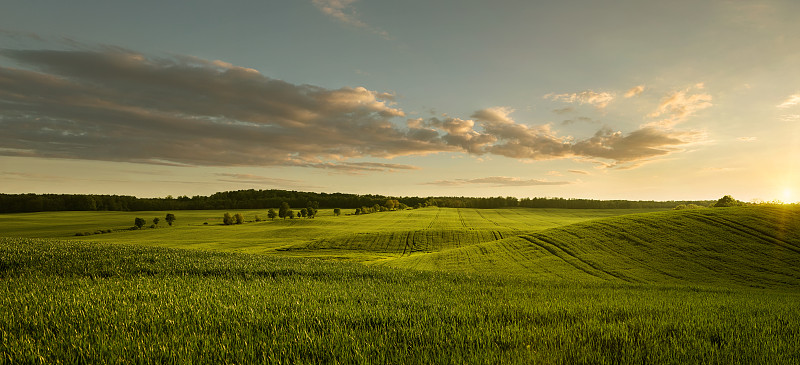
(745, 246)
(443, 285)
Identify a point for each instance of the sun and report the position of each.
(788, 195)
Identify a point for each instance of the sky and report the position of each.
(639, 100)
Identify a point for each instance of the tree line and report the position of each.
(264, 199)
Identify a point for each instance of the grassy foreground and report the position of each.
(78, 302)
(441, 286)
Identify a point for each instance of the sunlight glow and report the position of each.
(788, 196)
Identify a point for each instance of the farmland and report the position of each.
(417, 286)
(203, 229)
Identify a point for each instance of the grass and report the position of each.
(748, 246)
(78, 302)
(440, 286)
(292, 235)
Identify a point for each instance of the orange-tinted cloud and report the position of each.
(790, 101)
(679, 106)
(636, 90)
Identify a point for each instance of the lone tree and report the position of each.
(284, 210)
(727, 201)
(271, 214)
(170, 218)
(139, 222)
(155, 221)
(304, 212)
(337, 211)
(227, 219)
(239, 218)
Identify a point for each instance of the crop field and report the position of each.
(357, 237)
(429, 285)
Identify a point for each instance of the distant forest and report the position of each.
(265, 199)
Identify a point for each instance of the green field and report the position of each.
(350, 236)
(419, 286)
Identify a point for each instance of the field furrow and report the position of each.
(741, 248)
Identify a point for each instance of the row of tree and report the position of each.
(310, 211)
(140, 222)
(264, 199)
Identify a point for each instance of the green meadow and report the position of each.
(431, 285)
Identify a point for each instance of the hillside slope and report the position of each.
(747, 246)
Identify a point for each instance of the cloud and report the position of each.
(638, 145)
(578, 119)
(541, 143)
(343, 11)
(791, 101)
(747, 139)
(263, 180)
(564, 110)
(14, 34)
(721, 169)
(361, 167)
(30, 176)
(498, 181)
(598, 100)
(679, 106)
(636, 90)
(117, 105)
(580, 172)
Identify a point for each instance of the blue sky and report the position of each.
(585, 99)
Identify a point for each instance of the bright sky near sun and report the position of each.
(666, 100)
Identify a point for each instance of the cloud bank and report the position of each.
(498, 181)
(117, 105)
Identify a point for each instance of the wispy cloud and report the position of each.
(580, 172)
(358, 168)
(345, 12)
(791, 101)
(497, 181)
(679, 106)
(578, 119)
(636, 90)
(747, 139)
(722, 169)
(262, 180)
(14, 34)
(599, 100)
(564, 110)
(29, 176)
